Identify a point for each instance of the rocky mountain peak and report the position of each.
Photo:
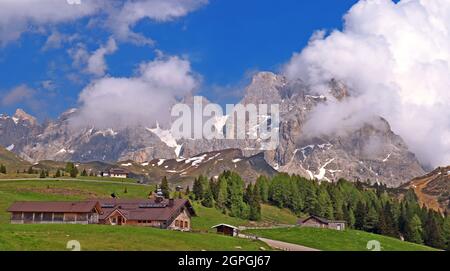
(24, 116)
(265, 88)
(338, 89)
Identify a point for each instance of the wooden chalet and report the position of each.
(172, 214)
(161, 213)
(226, 229)
(118, 173)
(320, 222)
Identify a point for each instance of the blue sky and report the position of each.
(225, 41)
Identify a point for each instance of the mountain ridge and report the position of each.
(372, 151)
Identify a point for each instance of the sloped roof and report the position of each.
(146, 209)
(224, 225)
(54, 206)
(321, 220)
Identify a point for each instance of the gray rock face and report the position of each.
(371, 151)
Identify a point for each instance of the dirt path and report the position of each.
(279, 244)
(285, 246)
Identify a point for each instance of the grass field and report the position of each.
(331, 240)
(99, 237)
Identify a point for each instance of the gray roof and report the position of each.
(321, 219)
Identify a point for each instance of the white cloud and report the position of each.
(19, 16)
(122, 20)
(96, 62)
(57, 39)
(18, 94)
(396, 60)
(118, 103)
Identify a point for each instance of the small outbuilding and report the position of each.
(119, 173)
(226, 229)
(320, 222)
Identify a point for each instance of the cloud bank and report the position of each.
(144, 99)
(395, 58)
(118, 16)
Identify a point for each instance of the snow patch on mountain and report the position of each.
(167, 137)
(10, 147)
(323, 171)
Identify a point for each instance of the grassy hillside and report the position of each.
(331, 240)
(98, 237)
(12, 161)
(48, 189)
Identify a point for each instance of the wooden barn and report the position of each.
(320, 222)
(85, 212)
(157, 212)
(226, 229)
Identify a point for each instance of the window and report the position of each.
(186, 224)
(47, 217)
(58, 217)
(28, 217)
(16, 216)
(38, 217)
(177, 223)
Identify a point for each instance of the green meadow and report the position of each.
(332, 240)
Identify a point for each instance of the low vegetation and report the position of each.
(332, 240)
(99, 237)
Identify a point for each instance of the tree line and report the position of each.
(229, 194)
(370, 208)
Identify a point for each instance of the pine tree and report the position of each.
(165, 189)
(248, 193)
(360, 216)
(371, 220)
(433, 235)
(255, 205)
(214, 188)
(221, 202)
(42, 174)
(349, 216)
(263, 187)
(326, 207)
(413, 230)
(235, 202)
(200, 184)
(84, 173)
(208, 198)
(387, 225)
(58, 173)
(446, 230)
(188, 191)
(30, 170)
